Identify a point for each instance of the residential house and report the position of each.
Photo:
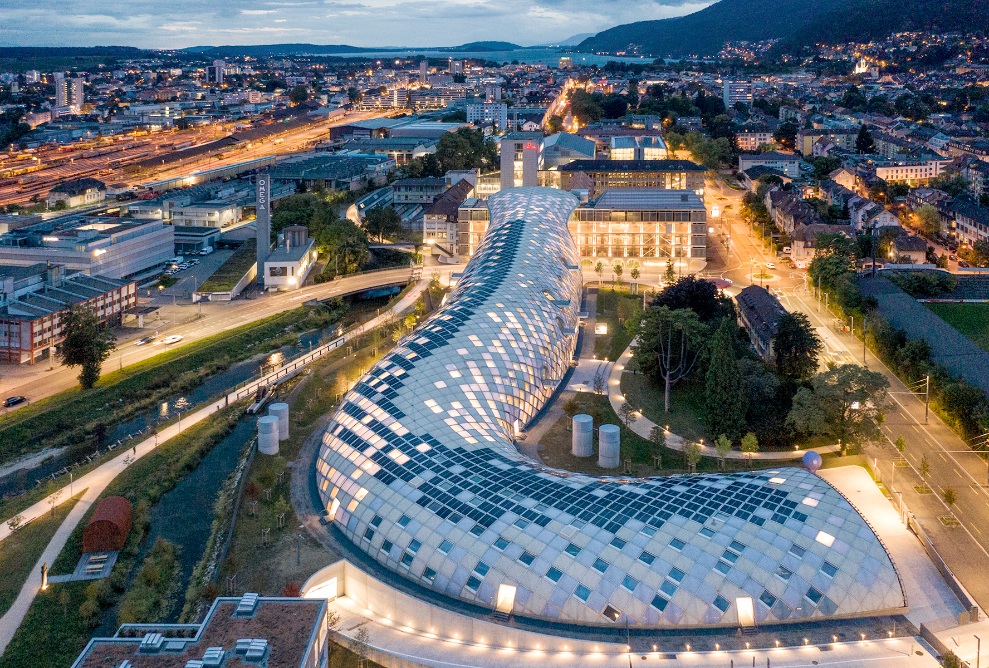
(803, 241)
(908, 249)
(759, 313)
(787, 163)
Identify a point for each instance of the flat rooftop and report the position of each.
(647, 200)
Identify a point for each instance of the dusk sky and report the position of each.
(181, 23)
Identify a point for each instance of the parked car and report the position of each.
(174, 338)
(143, 341)
(10, 402)
(770, 265)
(952, 258)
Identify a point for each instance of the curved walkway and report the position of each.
(97, 480)
(643, 425)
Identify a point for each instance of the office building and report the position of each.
(34, 298)
(111, 247)
(596, 176)
(734, 91)
(642, 147)
(419, 472)
(784, 163)
(520, 159)
(646, 226)
(423, 71)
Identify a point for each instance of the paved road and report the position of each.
(953, 465)
(39, 380)
(96, 481)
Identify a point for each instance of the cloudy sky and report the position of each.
(181, 23)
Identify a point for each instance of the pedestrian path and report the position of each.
(96, 481)
(643, 425)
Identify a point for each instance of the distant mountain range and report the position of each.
(796, 23)
(267, 50)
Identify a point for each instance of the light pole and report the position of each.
(978, 650)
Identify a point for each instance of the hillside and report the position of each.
(795, 22)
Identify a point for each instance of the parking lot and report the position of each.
(191, 278)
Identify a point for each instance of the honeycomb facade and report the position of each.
(418, 468)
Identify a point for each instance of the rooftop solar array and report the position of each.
(418, 468)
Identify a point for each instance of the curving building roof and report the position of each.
(419, 470)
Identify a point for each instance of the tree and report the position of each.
(722, 444)
(86, 344)
(796, 347)
(950, 497)
(900, 444)
(951, 182)
(670, 275)
(554, 124)
(381, 222)
(724, 396)
(786, 135)
(657, 439)
(925, 467)
(466, 148)
(750, 446)
(598, 381)
(634, 274)
(669, 344)
(675, 142)
(360, 644)
(627, 414)
(15, 522)
(618, 268)
(692, 452)
(699, 295)
(599, 270)
(864, 143)
(847, 402)
(928, 220)
(298, 95)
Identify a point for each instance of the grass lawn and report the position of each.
(687, 409)
(19, 552)
(285, 560)
(557, 440)
(71, 418)
(972, 320)
(614, 343)
(228, 274)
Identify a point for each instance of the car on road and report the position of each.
(169, 340)
(963, 264)
(952, 258)
(10, 402)
(144, 340)
(770, 265)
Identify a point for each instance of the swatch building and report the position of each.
(419, 471)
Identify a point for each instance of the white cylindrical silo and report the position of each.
(280, 411)
(583, 436)
(268, 435)
(609, 446)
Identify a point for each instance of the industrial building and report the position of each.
(110, 247)
(419, 472)
(33, 299)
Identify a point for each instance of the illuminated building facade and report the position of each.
(419, 470)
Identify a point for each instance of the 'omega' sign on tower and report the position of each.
(263, 222)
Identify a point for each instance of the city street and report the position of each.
(952, 463)
(192, 322)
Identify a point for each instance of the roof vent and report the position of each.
(126, 664)
(151, 643)
(193, 663)
(213, 658)
(253, 649)
(248, 604)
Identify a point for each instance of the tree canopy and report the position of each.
(796, 347)
(86, 344)
(847, 402)
(724, 397)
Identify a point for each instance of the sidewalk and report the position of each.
(97, 480)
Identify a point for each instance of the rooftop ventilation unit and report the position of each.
(248, 603)
(253, 649)
(213, 658)
(151, 643)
